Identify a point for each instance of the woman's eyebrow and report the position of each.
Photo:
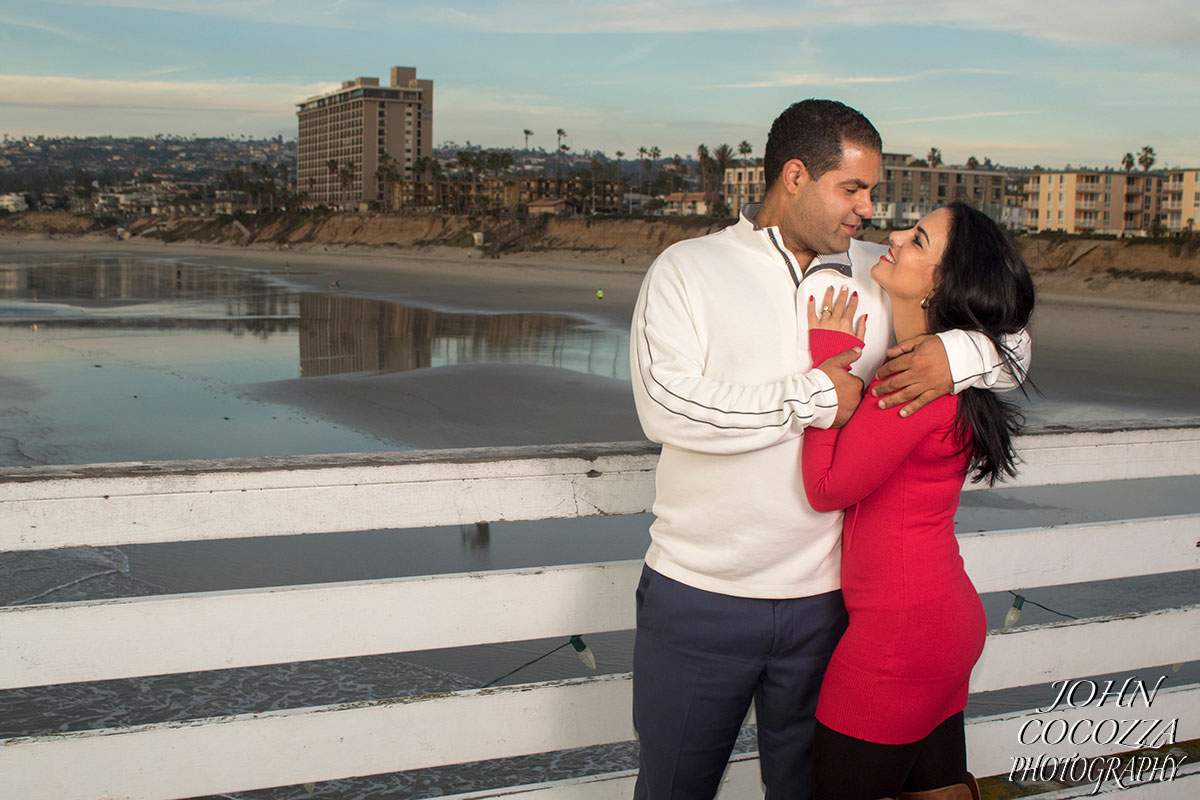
(922, 231)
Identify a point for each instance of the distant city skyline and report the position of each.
(1009, 82)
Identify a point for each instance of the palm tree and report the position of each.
(332, 166)
(466, 162)
(722, 157)
(345, 177)
(560, 134)
(1146, 158)
(528, 133)
(744, 149)
(388, 173)
(972, 163)
(705, 166)
(282, 169)
(1127, 162)
(265, 183)
(935, 157)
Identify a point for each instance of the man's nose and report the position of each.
(864, 208)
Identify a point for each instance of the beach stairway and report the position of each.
(513, 234)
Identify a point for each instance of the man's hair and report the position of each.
(814, 132)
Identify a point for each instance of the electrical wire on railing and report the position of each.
(581, 650)
(1014, 612)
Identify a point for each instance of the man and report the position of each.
(740, 599)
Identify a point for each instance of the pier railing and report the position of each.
(43, 508)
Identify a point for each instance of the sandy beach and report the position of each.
(1095, 358)
(449, 277)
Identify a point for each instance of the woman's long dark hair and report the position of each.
(983, 284)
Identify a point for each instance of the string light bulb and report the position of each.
(1014, 613)
(583, 651)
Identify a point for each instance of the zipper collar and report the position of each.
(838, 262)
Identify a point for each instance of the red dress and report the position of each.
(916, 624)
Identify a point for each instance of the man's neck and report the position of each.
(768, 216)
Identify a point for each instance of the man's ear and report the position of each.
(795, 175)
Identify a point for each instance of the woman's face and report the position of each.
(906, 271)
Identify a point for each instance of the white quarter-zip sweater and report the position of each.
(722, 378)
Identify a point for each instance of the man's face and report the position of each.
(825, 213)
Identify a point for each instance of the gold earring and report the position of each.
(925, 301)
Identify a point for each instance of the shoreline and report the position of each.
(1095, 358)
(561, 280)
(431, 276)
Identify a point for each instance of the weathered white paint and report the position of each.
(742, 781)
(302, 745)
(1062, 554)
(53, 507)
(1056, 650)
(187, 501)
(103, 639)
(210, 756)
(129, 637)
(1109, 452)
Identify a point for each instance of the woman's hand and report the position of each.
(837, 315)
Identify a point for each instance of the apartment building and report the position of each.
(905, 192)
(1113, 202)
(1179, 200)
(492, 193)
(1088, 201)
(744, 184)
(351, 137)
(682, 204)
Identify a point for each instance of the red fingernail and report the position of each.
(854, 295)
(810, 298)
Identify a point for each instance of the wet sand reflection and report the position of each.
(337, 334)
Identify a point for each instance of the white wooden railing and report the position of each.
(120, 504)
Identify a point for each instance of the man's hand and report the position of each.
(848, 388)
(917, 369)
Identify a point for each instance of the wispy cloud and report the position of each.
(170, 70)
(45, 27)
(1173, 23)
(952, 117)
(220, 95)
(821, 79)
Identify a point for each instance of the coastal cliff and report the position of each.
(1158, 270)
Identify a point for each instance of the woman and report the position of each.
(890, 715)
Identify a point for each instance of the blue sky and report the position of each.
(1022, 82)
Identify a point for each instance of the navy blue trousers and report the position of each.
(700, 658)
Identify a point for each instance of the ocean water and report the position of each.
(115, 358)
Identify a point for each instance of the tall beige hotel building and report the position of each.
(355, 126)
